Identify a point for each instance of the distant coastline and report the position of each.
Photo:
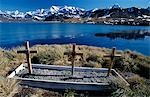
(143, 23)
(125, 34)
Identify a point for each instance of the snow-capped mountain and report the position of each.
(54, 9)
(17, 14)
(115, 7)
(130, 9)
(28, 14)
(11, 14)
(148, 9)
(67, 11)
(1, 12)
(64, 12)
(93, 10)
(5, 15)
(117, 12)
(41, 14)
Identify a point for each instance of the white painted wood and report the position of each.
(51, 84)
(17, 70)
(121, 77)
(57, 67)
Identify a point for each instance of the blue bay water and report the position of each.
(14, 34)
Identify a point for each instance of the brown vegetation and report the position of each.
(92, 57)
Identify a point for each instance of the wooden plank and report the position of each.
(73, 54)
(27, 52)
(112, 56)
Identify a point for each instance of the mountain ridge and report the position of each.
(61, 13)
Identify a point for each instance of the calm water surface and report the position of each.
(14, 34)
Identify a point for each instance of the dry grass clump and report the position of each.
(49, 55)
(138, 88)
(132, 62)
(4, 65)
(4, 62)
(8, 87)
(136, 79)
(8, 61)
(54, 54)
(36, 92)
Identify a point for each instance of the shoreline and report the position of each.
(82, 45)
(69, 44)
(72, 23)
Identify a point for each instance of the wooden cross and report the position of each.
(27, 52)
(112, 56)
(73, 54)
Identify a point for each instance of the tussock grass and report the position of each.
(36, 92)
(54, 54)
(92, 57)
(49, 55)
(133, 62)
(138, 88)
(8, 87)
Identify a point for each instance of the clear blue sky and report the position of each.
(26, 5)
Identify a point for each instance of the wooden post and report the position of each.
(73, 54)
(27, 52)
(112, 56)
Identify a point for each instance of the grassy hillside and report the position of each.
(133, 66)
